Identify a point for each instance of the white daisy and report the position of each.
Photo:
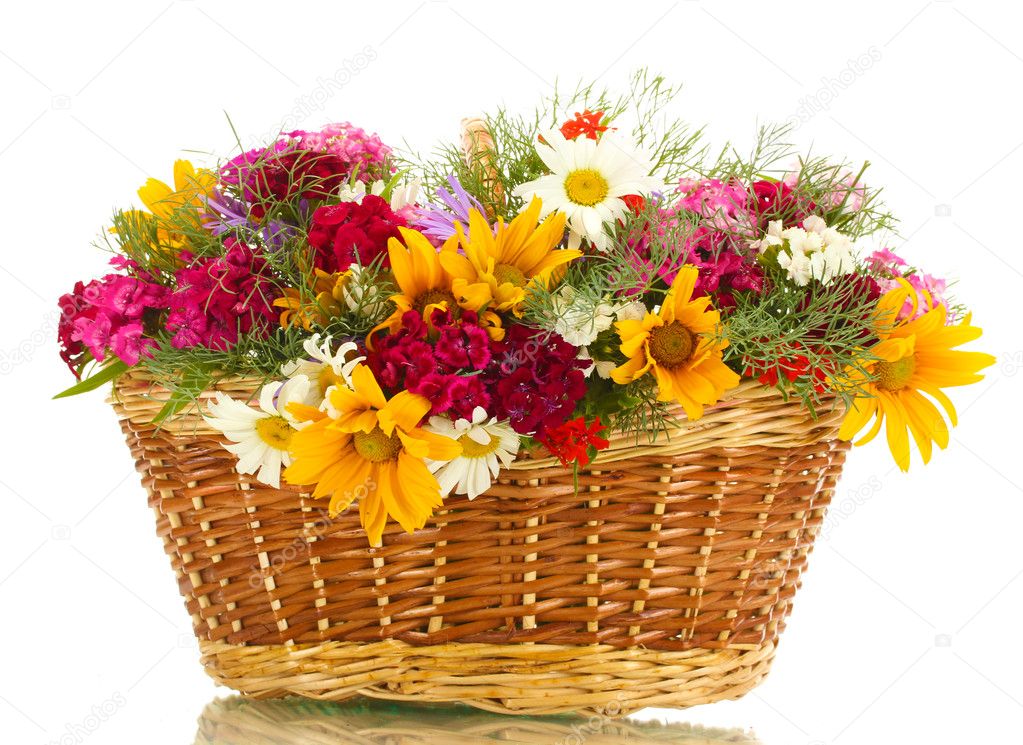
(486, 446)
(587, 182)
(324, 366)
(260, 438)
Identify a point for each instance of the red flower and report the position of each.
(634, 202)
(575, 441)
(776, 200)
(586, 124)
(792, 368)
(340, 233)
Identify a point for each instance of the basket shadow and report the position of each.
(298, 721)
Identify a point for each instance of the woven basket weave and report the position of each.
(661, 577)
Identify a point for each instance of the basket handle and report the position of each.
(478, 150)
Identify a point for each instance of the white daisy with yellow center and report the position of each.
(588, 181)
(260, 438)
(324, 366)
(486, 446)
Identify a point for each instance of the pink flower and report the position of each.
(129, 344)
(930, 290)
(846, 190)
(106, 315)
(712, 221)
(723, 203)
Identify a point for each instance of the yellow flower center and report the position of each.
(375, 446)
(275, 432)
(894, 376)
(507, 273)
(435, 297)
(472, 449)
(586, 187)
(671, 345)
(326, 378)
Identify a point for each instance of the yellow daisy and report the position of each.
(365, 447)
(916, 357)
(678, 346)
(500, 266)
(424, 284)
(167, 206)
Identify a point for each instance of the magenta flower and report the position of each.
(219, 298)
(107, 315)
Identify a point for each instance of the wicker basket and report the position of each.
(296, 721)
(663, 577)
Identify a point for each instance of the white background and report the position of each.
(908, 626)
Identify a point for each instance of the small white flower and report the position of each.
(811, 252)
(579, 320)
(361, 294)
(603, 368)
(486, 446)
(260, 438)
(324, 366)
(402, 195)
(633, 310)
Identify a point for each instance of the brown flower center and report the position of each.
(508, 273)
(375, 446)
(435, 297)
(894, 376)
(672, 344)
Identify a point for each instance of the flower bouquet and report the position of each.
(545, 421)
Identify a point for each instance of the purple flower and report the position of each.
(229, 215)
(437, 221)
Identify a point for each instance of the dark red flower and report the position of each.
(340, 233)
(574, 441)
(441, 366)
(776, 200)
(537, 378)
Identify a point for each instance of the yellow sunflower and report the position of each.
(678, 345)
(916, 357)
(500, 266)
(369, 448)
(424, 284)
(167, 205)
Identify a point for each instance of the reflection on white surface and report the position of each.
(296, 721)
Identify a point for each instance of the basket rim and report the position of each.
(749, 415)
